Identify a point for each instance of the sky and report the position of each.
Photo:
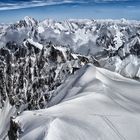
(14, 10)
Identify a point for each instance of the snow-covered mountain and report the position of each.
(39, 68)
(31, 72)
(92, 104)
(114, 43)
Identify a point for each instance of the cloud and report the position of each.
(14, 4)
(107, 1)
(34, 3)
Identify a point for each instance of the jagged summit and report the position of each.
(30, 21)
(34, 70)
(24, 23)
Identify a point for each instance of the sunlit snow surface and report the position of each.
(93, 104)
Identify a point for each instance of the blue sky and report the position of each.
(13, 10)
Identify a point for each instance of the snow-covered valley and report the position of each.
(70, 80)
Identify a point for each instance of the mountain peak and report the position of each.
(30, 21)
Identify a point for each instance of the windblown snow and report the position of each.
(92, 104)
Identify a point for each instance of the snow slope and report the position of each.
(93, 104)
(5, 114)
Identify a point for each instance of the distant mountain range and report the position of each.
(108, 41)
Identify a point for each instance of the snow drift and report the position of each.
(93, 104)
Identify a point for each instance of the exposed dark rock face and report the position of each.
(14, 129)
(27, 72)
